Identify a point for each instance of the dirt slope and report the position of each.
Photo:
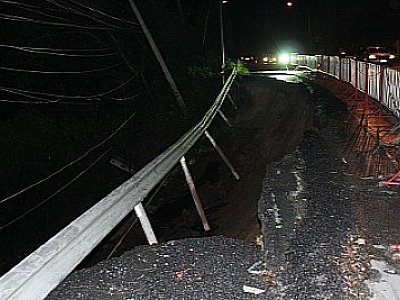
(270, 124)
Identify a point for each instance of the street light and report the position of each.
(307, 6)
(221, 21)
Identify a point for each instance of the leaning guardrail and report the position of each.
(379, 82)
(40, 272)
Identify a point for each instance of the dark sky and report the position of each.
(312, 26)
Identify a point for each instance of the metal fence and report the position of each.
(40, 272)
(380, 82)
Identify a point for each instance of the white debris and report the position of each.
(388, 192)
(361, 241)
(252, 290)
(258, 268)
(275, 210)
(388, 287)
(379, 247)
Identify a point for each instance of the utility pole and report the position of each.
(160, 59)
(181, 13)
(309, 30)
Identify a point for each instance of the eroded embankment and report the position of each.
(272, 121)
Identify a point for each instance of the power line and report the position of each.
(68, 50)
(37, 9)
(87, 97)
(69, 164)
(20, 93)
(56, 192)
(104, 14)
(21, 4)
(96, 11)
(54, 51)
(58, 101)
(76, 3)
(23, 102)
(123, 99)
(60, 72)
(23, 19)
(32, 8)
(80, 13)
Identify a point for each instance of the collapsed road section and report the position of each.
(329, 232)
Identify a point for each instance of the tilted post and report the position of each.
(159, 58)
(232, 101)
(196, 198)
(144, 221)
(222, 154)
(224, 118)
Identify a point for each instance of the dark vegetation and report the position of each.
(80, 86)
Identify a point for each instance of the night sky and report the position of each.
(311, 26)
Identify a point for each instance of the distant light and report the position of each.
(289, 3)
(224, 1)
(284, 58)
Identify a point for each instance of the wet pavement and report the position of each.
(305, 212)
(327, 216)
(330, 228)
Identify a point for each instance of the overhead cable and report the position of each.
(80, 13)
(39, 10)
(69, 164)
(103, 13)
(54, 51)
(34, 9)
(123, 99)
(56, 192)
(23, 19)
(87, 97)
(39, 100)
(61, 72)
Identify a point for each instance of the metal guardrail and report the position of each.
(379, 82)
(40, 272)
